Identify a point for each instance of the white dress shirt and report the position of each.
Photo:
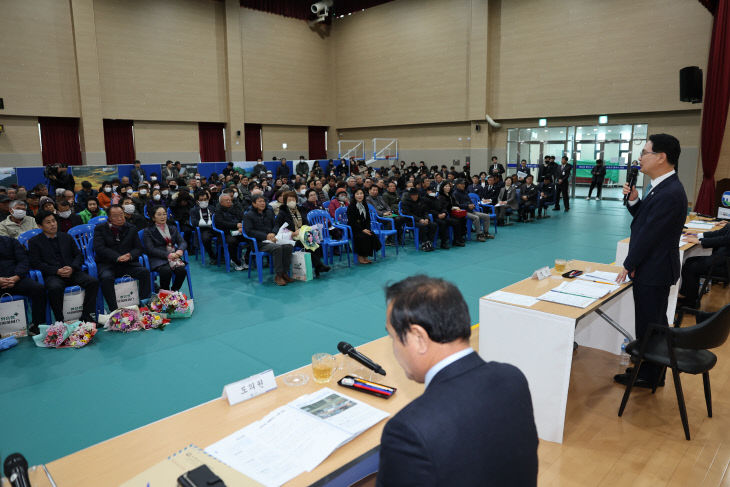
(444, 363)
(654, 183)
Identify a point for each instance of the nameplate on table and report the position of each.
(250, 387)
(541, 273)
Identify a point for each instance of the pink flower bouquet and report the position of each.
(123, 319)
(81, 336)
(172, 304)
(65, 335)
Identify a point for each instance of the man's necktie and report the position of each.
(647, 189)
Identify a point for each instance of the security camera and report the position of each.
(321, 8)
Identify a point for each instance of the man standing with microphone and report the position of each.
(653, 258)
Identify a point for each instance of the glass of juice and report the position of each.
(323, 367)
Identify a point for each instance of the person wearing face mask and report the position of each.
(18, 221)
(105, 196)
(295, 216)
(259, 224)
(181, 207)
(155, 200)
(67, 219)
(142, 198)
(340, 200)
(201, 216)
(131, 215)
(92, 210)
(228, 218)
(153, 177)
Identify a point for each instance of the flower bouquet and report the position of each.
(81, 336)
(310, 237)
(123, 319)
(65, 335)
(148, 320)
(171, 304)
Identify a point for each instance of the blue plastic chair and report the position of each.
(478, 204)
(154, 274)
(321, 217)
(223, 249)
(377, 224)
(326, 204)
(25, 236)
(83, 236)
(257, 255)
(341, 219)
(97, 220)
(409, 228)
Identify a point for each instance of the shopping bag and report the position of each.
(127, 292)
(301, 266)
(12, 318)
(73, 303)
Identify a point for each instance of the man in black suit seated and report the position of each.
(14, 279)
(719, 242)
(653, 258)
(55, 254)
(528, 200)
(117, 248)
(546, 190)
(474, 424)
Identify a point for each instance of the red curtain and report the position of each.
(212, 147)
(119, 141)
(252, 135)
(60, 140)
(317, 143)
(715, 108)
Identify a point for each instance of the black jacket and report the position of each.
(418, 209)
(13, 258)
(137, 176)
(64, 224)
(258, 169)
(655, 230)
(356, 220)
(42, 255)
(548, 189)
(285, 216)
(490, 193)
(496, 169)
(598, 173)
(258, 225)
(462, 199)
(718, 240)
(227, 219)
(563, 173)
(155, 245)
(282, 171)
(302, 168)
(473, 425)
(107, 248)
(531, 194)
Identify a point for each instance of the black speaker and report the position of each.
(690, 84)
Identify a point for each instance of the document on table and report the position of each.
(578, 293)
(512, 298)
(700, 225)
(296, 437)
(599, 276)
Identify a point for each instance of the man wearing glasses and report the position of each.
(653, 258)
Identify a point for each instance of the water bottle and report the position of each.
(624, 355)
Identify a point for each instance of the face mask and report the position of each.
(128, 209)
(197, 177)
(143, 192)
(173, 188)
(256, 192)
(235, 195)
(432, 195)
(165, 192)
(107, 190)
(203, 204)
(156, 197)
(291, 204)
(64, 214)
(153, 178)
(130, 192)
(342, 197)
(303, 192)
(156, 186)
(19, 214)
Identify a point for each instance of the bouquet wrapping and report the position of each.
(310, 237)
(171, 304)
(65, 335)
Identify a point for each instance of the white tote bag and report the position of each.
(73, 304)
(301, 266)
(12, 318)
(127, 292)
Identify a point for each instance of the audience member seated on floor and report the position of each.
(341, 199)
(58, 258)
(295, 216)
(92, 210)
(528, 200)
(382, 208)
(117, 249)
(14, 267)
(259, 224)
(201, 216)
(448, 205)
(507, 199)
(694, 267)
(365, 242)
(131, 216)
(165, 248)
(478, 219)
(228, 218)
(18, 221)
(413, 205)
(546, 189)
(67, 219)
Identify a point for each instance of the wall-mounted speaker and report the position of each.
(238, 133)
(690, 84)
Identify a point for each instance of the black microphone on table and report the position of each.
(16, 470)
(347, 349)
(631, 179)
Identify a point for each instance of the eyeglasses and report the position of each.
(644, 152)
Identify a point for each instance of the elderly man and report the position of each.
(259, 224)
(229, 218)
(14, 279)
(18, 221)
(477, 218)
(413, 205)
(473, 424)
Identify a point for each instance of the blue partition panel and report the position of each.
(124, 170)
(152, 168)
(30, 176)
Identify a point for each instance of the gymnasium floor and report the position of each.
(56, 402)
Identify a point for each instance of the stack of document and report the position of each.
(296, 437)
(580, 294)
(700, 225)
(600, 276)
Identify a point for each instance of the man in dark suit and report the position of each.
(653, 258)
(496, 169)
(14, 279)
(474, 424)
(138, 174)
(562, 183)
(117, 249)
(55, 254)
(719, 242)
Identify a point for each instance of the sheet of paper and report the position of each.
(601, 276)
(521, 174)
(567, 299)
(590, 289)
(512, 298)
(682, 242)
(699, 225)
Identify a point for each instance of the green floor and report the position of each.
(58, 401)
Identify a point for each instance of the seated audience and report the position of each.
(365, 242)
(228, 218)
(414, 206)
(478, 219)
(295, 216)
(117, 249)
(507, 199)
(4, 206)
(312, 201)
(341, 199)
(259, 224)
(47, 204)
(694, 267)
(18, 221)
(67, 219)
(201, 217)
(33, 203)
(382, 208)
(165, 248)
(105, 196)
(14, 267)
(546, 190)
(55, 254)
(131, 216)
(92, 210)
(448, 205)
(528, 200)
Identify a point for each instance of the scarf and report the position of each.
(165, 232)
(297, 218)
(361, 209)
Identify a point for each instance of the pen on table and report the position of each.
(371, 389)
(374, 388)
(374, 384)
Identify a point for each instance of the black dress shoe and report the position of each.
(33, 330)
(624, 379)
(460, 243)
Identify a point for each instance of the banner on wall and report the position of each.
(96, 175)
(243, 166)
(190, 168)
(8, 176)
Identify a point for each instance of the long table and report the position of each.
(117, 460)
(539, 339)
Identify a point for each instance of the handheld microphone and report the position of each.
(347, 349)
(631, 179)
(16, 470)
